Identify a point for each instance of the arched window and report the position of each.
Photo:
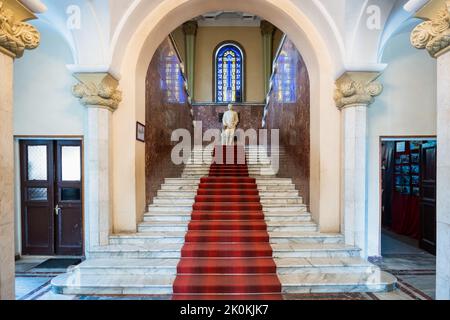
(229, 73)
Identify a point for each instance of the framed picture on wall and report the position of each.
(140, 132)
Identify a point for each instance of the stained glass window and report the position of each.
(172, 78)
(229, 73)
(285, 81)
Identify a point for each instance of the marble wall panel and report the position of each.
(167, 109)
(289, 111)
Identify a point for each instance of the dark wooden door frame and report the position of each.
(27, 247)
(428, 200)
(52, 138)
(66, 207)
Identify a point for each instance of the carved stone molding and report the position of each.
(434, 33)
(357, 88)
(98, 90)
(16, 35)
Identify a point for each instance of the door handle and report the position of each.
(57, 210)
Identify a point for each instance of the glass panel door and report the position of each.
(36, 158)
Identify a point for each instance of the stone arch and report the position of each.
(141, 31)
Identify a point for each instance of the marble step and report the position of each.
(278, 237)
(296, 208)
(272, 226)
(313, 250)
(375, 281)
(163, 226)
(281, 200)
(283, 217)
(291, 226)
(268, 187)
(167, 216)
(170, 208)
(122, 284)
(174, 187)
(144, 238)
(174, 201)
(261, 182)
(262, 194)
(147, 251)
(323, 265)
(127, 266)
(186, 216)
(184, 200)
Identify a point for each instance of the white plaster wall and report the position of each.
(43, 104)
(407, 107)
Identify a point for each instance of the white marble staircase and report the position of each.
(145, 262)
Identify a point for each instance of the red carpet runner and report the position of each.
(227, 254)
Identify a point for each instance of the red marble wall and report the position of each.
(289, 111)
(250, 116)
(167, 109)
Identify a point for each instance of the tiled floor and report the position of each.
(414, 268)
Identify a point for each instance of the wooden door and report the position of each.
(51, 194)
(428, 198)
(68, 199)
(37, 195)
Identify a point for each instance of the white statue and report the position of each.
(230, 122)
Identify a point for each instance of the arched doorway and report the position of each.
(142, 31)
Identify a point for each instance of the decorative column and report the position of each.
(434, 35)
(355, 92)
(15, 37)
(190, 33)
(267, 30)
(98, 92)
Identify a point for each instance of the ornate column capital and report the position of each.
(97, 90)
(357, 88)
(434, 33)
(190, 27)
(15, 34)
(266, 27)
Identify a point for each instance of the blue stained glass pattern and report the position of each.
(229, 72)
(285, 80)
(172, 79)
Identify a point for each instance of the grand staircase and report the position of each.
(148, 262)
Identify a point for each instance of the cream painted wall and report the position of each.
(180, 42)
(407, 107)
(207, 40)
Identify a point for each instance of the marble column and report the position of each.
(98, 92)
(267, 30)
(15, 37)
(190, 33)
(355, 92)
(434, 35)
